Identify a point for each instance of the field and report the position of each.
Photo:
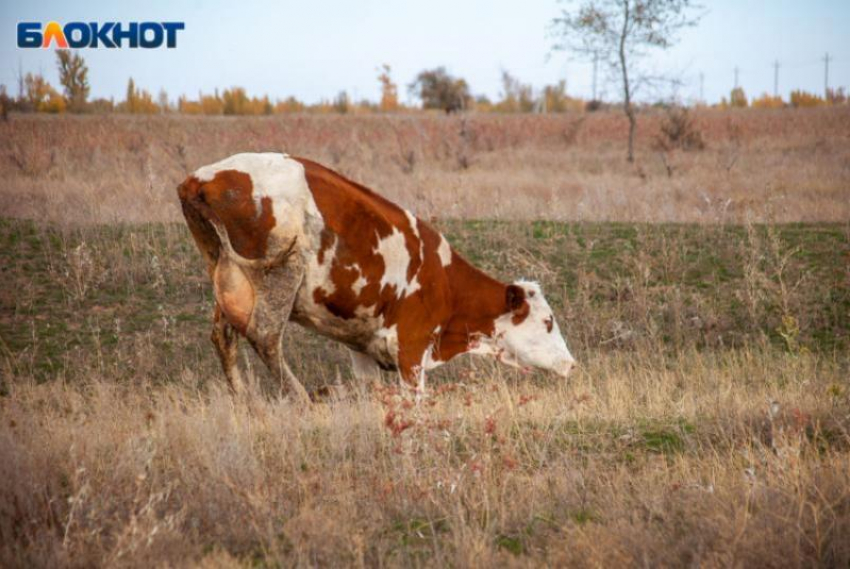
(705, 294)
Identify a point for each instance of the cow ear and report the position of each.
(514, 297)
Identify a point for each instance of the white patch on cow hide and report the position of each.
(428, 361)
(358, 285)
(411, 219)
(319, 274)
(393, 250)
(280, 178)
(444, 251)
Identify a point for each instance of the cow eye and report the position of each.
(550, 323)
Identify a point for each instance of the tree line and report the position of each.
(436, 89)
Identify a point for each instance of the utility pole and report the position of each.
(776, 78)
(826, 59)
(701, 86)
(736, 76)
(595, 66)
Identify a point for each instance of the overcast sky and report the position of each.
(314, 49)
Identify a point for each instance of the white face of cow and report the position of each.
(527, 335)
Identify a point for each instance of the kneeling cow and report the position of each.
(288, 239)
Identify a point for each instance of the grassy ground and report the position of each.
(708, 422)
(615, 286)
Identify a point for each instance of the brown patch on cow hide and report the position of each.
(229, 197)
(463, 301)
(521, 313)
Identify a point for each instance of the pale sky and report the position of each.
(314, 49)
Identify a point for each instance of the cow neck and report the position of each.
(477, 301)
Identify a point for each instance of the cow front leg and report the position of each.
(225, 339)
(412, 368)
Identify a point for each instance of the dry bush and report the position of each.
(678, 131)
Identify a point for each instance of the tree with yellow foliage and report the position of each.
(737, 98)
(767, 102)
(74, 76)
(805, 99)
(138, 101)
(389, 90)
(41, 97)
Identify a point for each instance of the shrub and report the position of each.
(679, 132)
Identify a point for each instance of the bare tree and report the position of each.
(620, 33)
(74, 76)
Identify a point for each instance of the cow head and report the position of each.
(526, 334)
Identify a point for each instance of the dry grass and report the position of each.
(708, 423)
(712, 459)
(778, 165)
(702, 427)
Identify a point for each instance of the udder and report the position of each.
(234, 293)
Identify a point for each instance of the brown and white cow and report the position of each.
(288, 239)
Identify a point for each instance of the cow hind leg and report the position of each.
(277, 290)
(268, 348)
(225, 339)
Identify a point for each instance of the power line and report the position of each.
(595, 65)
(776, 78)
(826, 75)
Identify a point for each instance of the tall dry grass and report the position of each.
(779, 165)
(736, 459)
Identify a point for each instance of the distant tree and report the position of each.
(41, 97)
(836, 96)
(439, 90)
(768, 102)
(342, 103)
(101, 106)
(236, 101)
(737, 98)
(516, 95)
(556, 100)
(211, 104)
(138, 101)
(619, 33)
(162, 101)
(289, 105)
(389, 90)
(5, 103)
(73, 74)
(803, 99)
(483, 104)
